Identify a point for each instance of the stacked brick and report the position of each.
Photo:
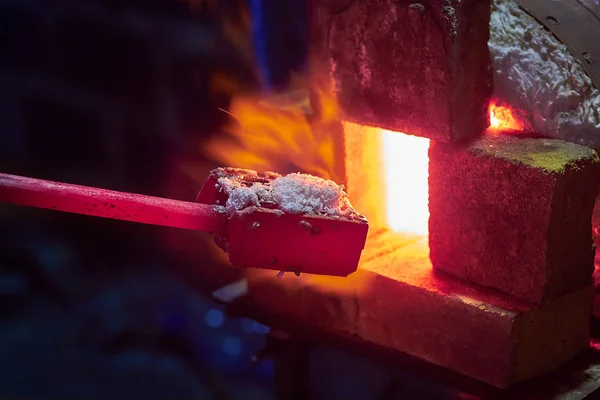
(510, 214)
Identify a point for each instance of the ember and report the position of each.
(505, 118)
(536, 73)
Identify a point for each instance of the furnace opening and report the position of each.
(385, 172)
(406, 189)
(386, 178)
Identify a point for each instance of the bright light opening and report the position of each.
(505, 118)
(406, 177)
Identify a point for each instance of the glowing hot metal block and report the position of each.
(312, 228)
(262, 238)
(263, 235)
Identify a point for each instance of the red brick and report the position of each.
(399, 302)
(514, 214)
(423, 69)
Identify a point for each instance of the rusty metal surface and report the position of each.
(576, 23)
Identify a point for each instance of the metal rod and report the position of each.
(110, 204)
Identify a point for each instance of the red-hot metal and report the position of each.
(254, 237)
(267, 238)
(111, 204)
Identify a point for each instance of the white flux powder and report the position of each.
(293, 194)
(534, 72)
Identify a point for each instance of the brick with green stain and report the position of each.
(514, 214)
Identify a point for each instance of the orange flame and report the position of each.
(283, 134)
(506, 118)
(280, 133)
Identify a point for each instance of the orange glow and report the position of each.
(407, 189)
(387, 178)
(505, 118)
(385, 172)
(279, 133)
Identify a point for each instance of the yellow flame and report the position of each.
(283, 134)
(506, 118)
(280, 133)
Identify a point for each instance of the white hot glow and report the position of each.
(406, 174)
